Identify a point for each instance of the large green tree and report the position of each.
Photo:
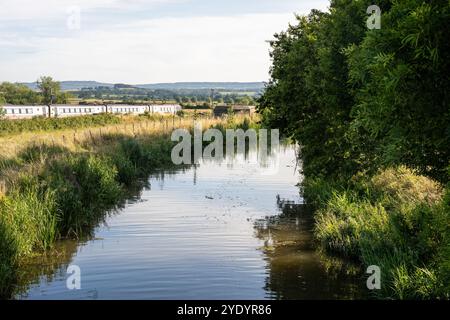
(401, 78)
(49, 88)
(357, 99)
(308, 96)
(13, 93)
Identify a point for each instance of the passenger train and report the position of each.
(59, 111)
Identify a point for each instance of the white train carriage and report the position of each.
(61, 111)
(23, 112)
(164, 108)
(126, 109)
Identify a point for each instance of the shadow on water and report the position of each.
(296, 269)
(45, 267)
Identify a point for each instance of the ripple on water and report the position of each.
(210, 232)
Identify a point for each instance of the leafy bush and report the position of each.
(405, 186)
(358, 99)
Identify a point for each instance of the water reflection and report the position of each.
(296, 269)
(45, 268)
(211, 231)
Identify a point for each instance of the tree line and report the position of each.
(185, 96)
(359, 99)
(19, 94)
(49, 91)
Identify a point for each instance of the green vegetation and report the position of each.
(63, 194)
(54, 192)
(370, 109)
(397, 221)
(17, 94)
(8, 127)
(51, 91)
(11, 93)
(187, 97)
(47, 91)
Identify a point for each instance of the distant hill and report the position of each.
(73, 85)
(250, 86)
(232, 86)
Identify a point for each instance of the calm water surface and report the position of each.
(215, 231)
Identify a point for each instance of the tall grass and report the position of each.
(8, 127)
(28, 223)
(399, 221)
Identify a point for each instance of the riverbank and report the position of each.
(369, 110)
(60, 184)
(397, 220)
(246, 234)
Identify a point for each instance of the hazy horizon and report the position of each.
(141, 83)
(142, 42)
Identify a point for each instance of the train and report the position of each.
(60, 110)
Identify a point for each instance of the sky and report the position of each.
(142, 41)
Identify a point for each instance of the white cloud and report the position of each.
(159, 50)
(13, 10)
(35, 40)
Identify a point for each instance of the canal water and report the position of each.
(214, 231)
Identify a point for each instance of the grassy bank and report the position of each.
(60, 184)
(8, 127)
(364, 106)
(397, 220)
